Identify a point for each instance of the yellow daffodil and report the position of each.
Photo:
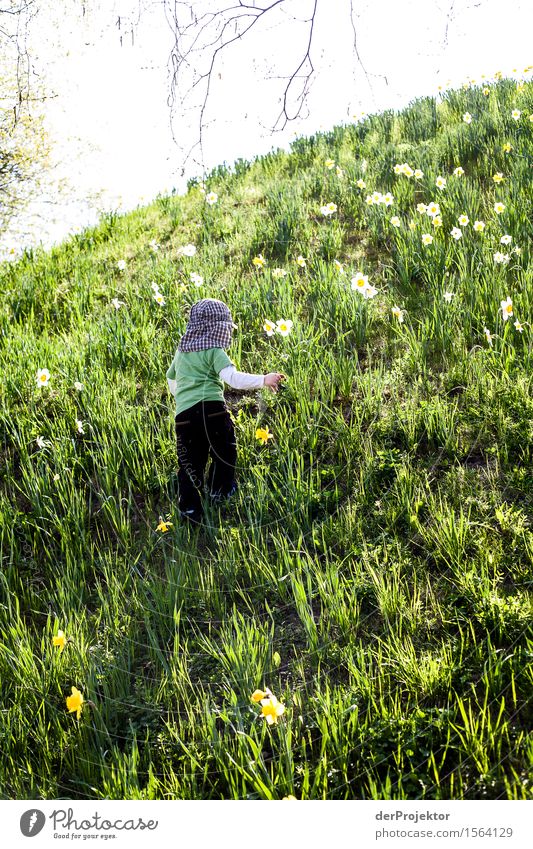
(259, 261)
(506, 308)
(486, 91)
(498, 177)
(507, 147)
(272, 709)
(60, 641)
(43, 377)
(263, 434)
(329, 163)
(75, 702)
(499, 207)
(163, 526)
(427, 238)
(257, 695)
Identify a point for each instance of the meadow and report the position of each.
(374, 570)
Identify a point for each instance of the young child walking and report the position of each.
(204, 427)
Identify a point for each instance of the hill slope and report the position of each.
(374, 570)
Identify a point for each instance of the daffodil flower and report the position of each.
(463, 220)
(395, 221)
(116, 303)
(440, 182)
(59, 640)
(427, 238)
(75, 702)
(78, 386)
(211, 198)
(259, 261)
(263, 434)
(284, 326)
(187, 250)
(498, 177)
(257, 695)
(518, 326)
(197, 279)
(43, 377)
(479, 226)
(269, 327)
(328, 209)
(459, 171)
(456, 233)
(499, 207)
(467, 118)
(506, 308)
(397, 313)
(488, 335)
(506, 239)
(163, 526)
(121, 264)
(271, 709)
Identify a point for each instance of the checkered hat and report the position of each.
(209, 326)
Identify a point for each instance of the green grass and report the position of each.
(375, 568)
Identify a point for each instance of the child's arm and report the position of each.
(243, 380)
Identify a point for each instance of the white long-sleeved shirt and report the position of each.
(235, 379)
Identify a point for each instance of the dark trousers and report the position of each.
(205, 431)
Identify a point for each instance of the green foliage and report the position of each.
(374, 568)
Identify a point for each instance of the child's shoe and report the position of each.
(192, 516)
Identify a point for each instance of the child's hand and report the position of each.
(272, 379)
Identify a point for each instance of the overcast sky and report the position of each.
(111, 120)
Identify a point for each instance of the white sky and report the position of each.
(111, 121)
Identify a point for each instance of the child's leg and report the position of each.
(223, 452)
(193, 449)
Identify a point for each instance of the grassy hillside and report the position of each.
(374, 570)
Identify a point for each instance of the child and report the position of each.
(203, 424)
